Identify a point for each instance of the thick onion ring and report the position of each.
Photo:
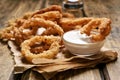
(51, 53)
(39, 22)
(103, 25)
(51, 8)
(51, 15)
(69, 23)
(7, 33)
(67, 15)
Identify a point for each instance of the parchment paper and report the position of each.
(63, 61)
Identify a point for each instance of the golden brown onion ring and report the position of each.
(70, 23)
(51, 8)
(50, 53)
(51, 15)
(67, 15)
(35, 23)
(103, 28)
(7, 33)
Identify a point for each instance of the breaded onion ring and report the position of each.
(38, 22)
(51, 8)
(67, 15)
(103, 29)
(49, 53)
(69, 24)
(7, 33)
(51, 15)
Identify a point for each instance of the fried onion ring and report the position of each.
(7, 33)
(67, 15)
(70, 23)
(38, 22)
(51, 15)
(51, 8)
(49, 53)
(103, 29)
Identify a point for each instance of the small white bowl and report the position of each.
(81, 48)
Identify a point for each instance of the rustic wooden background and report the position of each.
(10, 9)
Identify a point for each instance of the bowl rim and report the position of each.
(64, 40)
(83, 44)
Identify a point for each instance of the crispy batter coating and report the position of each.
(39, 22)
(50, 8)
(103, 28)
(70, 23)
(67, 15)
(49, 53)
(51, 15)
(6, 33)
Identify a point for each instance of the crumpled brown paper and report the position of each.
(64, 61)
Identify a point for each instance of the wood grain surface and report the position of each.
(110, 9)
(10, 9)
(92, 8)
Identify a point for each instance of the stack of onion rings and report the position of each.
(23, 31)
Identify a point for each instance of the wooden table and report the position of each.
(92, 8)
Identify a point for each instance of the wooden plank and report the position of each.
(103, 8)
(114, 68)
(78, 74)
(15, 8)
(12, 9)
(6, 62)
(6, 9)
(110, 9)
(32, 75)
(53, 2)
(65, 75)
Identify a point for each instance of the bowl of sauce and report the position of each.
(81, 44)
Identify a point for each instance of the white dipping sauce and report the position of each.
(74, 36)
(81, 44)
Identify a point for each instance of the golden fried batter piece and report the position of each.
(39, 22)
(51, 15)
(49, 52)
(7, 33)
(67, 15)
(50, 8)
(102, 26)
(70, 23)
